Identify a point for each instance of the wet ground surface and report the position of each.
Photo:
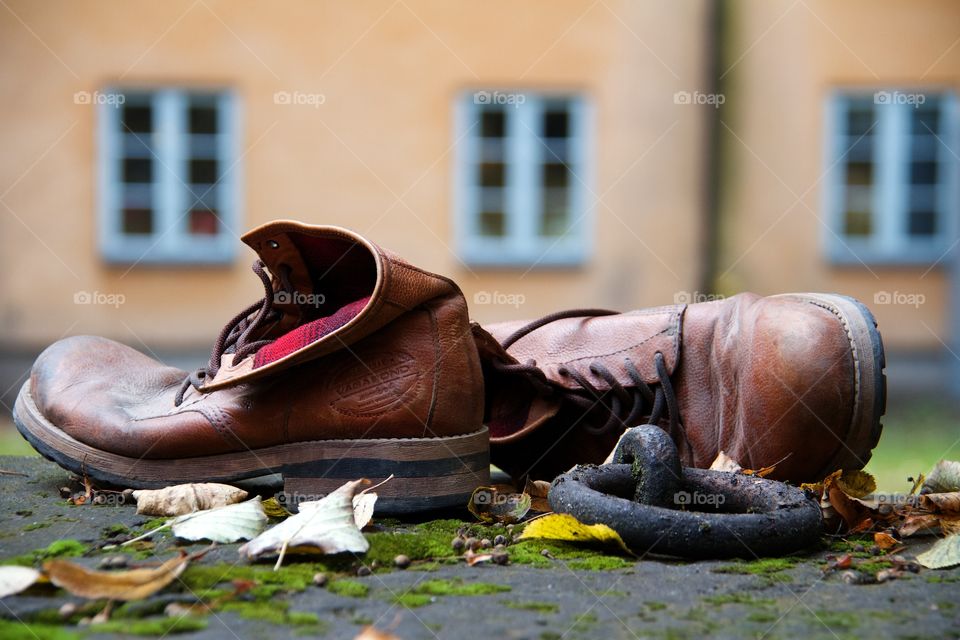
(570, 595)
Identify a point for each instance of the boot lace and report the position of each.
(623, 406)
(235, 336)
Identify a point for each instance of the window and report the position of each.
(892, 176)
(168, 177)
(522, 176)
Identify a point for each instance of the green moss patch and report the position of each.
(414, 600)
(10, 630)
(275, 612)
(349, 588)
(540, 607)
(458, 588)
(152, 627)
(737, 598)
(59, 549)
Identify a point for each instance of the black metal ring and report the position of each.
(737, 515)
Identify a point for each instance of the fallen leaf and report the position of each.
(135, 584)
(855, 484)
(563, 526)
(884, 540)
(186, 498)
(370, 632)
(538, 490)
(760, 473)
(942, 502)
(476, 558)
(15, 579)
(323, 526)
(490, 505)
(944, 478)
(919, 523)
(364, 502)
(723, 462)
(944, 553)
(273, 509)
(234, 522)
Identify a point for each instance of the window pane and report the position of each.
(860, 173)
(203, 222)
(203, 171)
(923, 172)
(493, 224)
(137, 170)
(923, 223)
(137, 221)
(137, 118)
(555, 175)
(556, 123)
(493, 123)
(926, 118)
(554, 218)
(492, 174)
(203, 119)
(857, 223)
(860, 118)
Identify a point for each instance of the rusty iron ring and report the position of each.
(740, 516)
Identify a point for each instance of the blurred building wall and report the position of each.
(377, 154)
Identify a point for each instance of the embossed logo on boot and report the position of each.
(376, 385)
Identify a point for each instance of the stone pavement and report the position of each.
(569, 593)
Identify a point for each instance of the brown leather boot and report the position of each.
(354, 364)
(794, 380)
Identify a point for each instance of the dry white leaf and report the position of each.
(363, 504)
(186, 498)
(723, 462)
(323, 526)
(944, 553)
(234, 522)
(15, 579)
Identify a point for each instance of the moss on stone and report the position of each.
(413, 600)
(656, 606)
(152, 626)
(349, 588)
(874, 566)
(540, 607)
(12, 630)
(762, 617)
(67, 548)
(763, 566)
(737, 598)
(33, 526)
(274, 611)
(458, 588)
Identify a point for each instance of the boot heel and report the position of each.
(428, 473)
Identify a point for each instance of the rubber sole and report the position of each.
(428, 473)
(870, 397)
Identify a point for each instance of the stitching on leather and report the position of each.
(630, 348)
(853, 347)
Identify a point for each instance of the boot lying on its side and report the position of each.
(794, 380)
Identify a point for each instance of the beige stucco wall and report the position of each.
(785, 58)
(389, 74)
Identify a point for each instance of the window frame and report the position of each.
(170, 243)
(890, 243)
(523, 245)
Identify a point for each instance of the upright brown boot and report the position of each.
(794, 380)
(354, 364)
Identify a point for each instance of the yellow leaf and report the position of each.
(135, 584)
(563, 526)
(273, 509)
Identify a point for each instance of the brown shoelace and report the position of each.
(624, 406)
(235, 335)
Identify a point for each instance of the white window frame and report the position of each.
(170, 243)
(890, 241)
(522, 245)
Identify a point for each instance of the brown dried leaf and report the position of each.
(885, 541)
(723, 462)
(182, 499)
(489, 505)
(538, 491)
(919, 523)
(370, 632)
(135, 584)
(942, 502)
(945, 478)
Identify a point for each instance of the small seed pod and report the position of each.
(500, 541)
(320, 579)
(65, 492)
(485, 543)
(363, 570)
(401, 561)
(458, 543)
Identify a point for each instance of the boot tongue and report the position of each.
(327, 282)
